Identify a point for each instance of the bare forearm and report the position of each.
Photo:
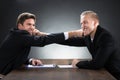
(75, 33)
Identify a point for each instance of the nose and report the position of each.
(32, 27)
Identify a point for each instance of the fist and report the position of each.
(38, 33)
(36, 62)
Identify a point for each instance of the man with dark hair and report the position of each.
(15, 48)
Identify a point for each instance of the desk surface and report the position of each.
(58, 74)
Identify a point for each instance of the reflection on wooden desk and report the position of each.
(58, 74)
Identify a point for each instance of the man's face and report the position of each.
(87, 24)
(28, 25)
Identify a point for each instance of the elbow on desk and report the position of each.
(93, 67)
(97, 68)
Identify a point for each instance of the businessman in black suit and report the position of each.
(15, 48)
(99, 42)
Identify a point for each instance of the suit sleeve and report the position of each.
(75, 41)
(26, 62)
(43, 40)
(105, 48)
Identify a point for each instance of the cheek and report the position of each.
(27, 28)
(92, 25)
(92, 28)
(88, 30)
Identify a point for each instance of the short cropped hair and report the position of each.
(23, 16)
(92, 14)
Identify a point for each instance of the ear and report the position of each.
(20, 26)
(96, 23)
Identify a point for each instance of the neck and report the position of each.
(93, 33)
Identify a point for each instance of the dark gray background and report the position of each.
(60, 15)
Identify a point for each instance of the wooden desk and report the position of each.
(58, 74)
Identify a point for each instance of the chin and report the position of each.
(85, 34)
(30, 33)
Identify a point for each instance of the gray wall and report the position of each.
(60, 15)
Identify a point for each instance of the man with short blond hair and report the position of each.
(99, 42)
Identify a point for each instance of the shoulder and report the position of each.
(104, 37)
(17, 31)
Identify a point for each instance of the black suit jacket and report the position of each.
(103, 50)
(15, 48)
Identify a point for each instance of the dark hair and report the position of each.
(23, 16)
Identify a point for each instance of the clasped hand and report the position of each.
(38, 33)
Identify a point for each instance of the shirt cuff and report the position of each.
(30, 60)
(66, 35)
